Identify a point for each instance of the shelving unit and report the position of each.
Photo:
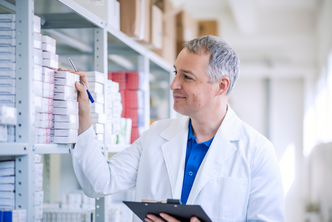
(68, 21)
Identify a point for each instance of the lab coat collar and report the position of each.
(221, 149)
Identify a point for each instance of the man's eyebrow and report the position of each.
(186, 71)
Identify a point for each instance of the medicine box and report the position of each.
(43, 116)
(38, 170)
(68, 81)
(39, 198)
(50, 55)
(9, 90)
(7, 34)
(7, 42)
(7, 50)
(64, 125)
(50, 63)
(65, 118)
(98, 97)
(38, 183)
(37, 43)
(7, 82)
(8, 115)
(7, 98)
(47, 124)
(65, 111)
(7, 17)
(65, 96)
(64, 139)
(7, 58)
(8, 66)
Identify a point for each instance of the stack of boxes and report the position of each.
(65, 111)
(39, 194)
(7, 71)
(7, 184)
(8, 120)
(114, 109)
(13, 215)
(132, 97)
(96, 81)
(46, 61)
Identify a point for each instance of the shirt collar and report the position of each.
(191, 136)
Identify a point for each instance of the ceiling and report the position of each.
(273, 38)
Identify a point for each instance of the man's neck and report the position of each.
(206, 127)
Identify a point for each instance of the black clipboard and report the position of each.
(179, 211)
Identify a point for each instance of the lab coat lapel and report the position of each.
(220, 151)
(174, 152)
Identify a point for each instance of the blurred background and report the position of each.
(285, 87)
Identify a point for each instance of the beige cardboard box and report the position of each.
(156, 27)
(186, 27)
(147, 23)
(131, 17)
(168, 50)
(208, 27)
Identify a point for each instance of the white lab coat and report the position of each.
(238, 180)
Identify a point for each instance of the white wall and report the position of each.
(249, 101)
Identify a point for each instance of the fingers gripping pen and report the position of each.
(81, 81)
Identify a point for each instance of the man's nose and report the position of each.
(175, 83)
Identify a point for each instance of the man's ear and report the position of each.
(223, 85)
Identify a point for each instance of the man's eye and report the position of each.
(175, 72)
(187, 77)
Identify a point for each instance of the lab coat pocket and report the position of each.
(223, 198)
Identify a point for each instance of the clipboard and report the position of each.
(173, 208)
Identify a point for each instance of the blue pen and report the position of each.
(81, 81)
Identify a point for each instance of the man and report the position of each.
(210, 158)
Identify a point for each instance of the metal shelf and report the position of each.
(52, 148)
(57, 14)
(14, 149)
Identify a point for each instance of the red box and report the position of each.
(131, 99)
(132, 80)
(134, 134)
(119, 77)
(133, 115)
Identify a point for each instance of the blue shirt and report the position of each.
(194, 157)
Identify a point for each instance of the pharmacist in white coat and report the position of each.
(210, 157)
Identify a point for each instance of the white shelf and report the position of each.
(116, 148)
(52, 148)
(13, 149)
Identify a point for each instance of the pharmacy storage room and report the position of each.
(165, 110)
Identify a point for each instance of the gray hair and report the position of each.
(223, 60)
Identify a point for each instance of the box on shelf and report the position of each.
(146, 22)
(48, 44)
(7, 42)
(14, 215)
(7, 50)
(38, 183)
(7, 17)
(7, 58)
(7, 90)
(7, 99)
(37, 43)
(65, 125)
(114, 14)
(131, 18)
(39, 198)
(8, 115)
(7, 66)
(186, 29)
(207, 27)
(38, 57)
(7, 34)
(3, 133)
(7, 82)
(36, 24)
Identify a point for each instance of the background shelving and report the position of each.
(93, 45)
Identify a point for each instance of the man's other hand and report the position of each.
(153, 218)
